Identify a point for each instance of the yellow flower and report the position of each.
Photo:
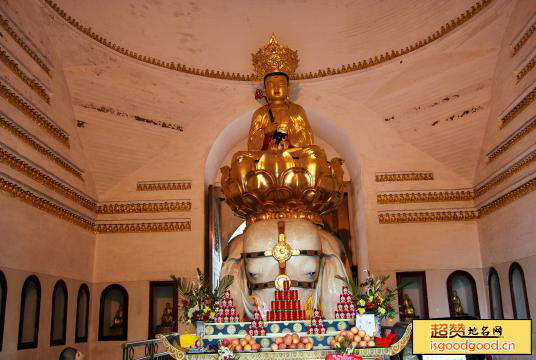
(361, 310)
(381, 310)
(371, 298)
(206, 309)
(361, 302)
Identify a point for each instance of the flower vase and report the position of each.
(200, 329)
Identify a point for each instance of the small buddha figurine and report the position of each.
(457, 304)
(408, 311)
(167, 316)
(118, 318)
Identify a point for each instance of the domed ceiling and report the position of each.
(221, 35)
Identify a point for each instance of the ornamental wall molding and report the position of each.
(24, 74)
(144, 227)
(508, 198)
(512, 139)
(526, 66)
(43, 202)
(524, 35)
(360, 65)
(137, 207)
(27, 167)
(518, 105)
(420, 196)
(163, 185)
(419, 216)
(25, 43)
(47, 204)
(465, 214)
(25, 106)
(504, 174)
(30, 139)
(404, 176)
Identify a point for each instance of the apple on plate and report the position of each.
(238, 348)
(247, 347)
(301, 346)
(275, 347)
(278, 340)
(292, 346)
(361, 333)
(309, 345)
(304, 340)
(354, 330)
(226, 342)
(282, 346)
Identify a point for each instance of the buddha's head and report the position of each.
(276, 86)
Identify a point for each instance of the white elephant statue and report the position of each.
(315, 270)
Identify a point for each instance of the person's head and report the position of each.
(276, 86)
(71, 354)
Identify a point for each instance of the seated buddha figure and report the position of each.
(280, 124)
(280, 136)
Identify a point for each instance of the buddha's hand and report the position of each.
(279, 136)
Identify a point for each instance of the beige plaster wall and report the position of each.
(15, 280)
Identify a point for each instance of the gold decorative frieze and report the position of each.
(27, 108)
(405, 176)
(526, 68)
(419, 216)
(43, 202)
(144, 207)
(424, 196)
(38, 145)
(511, 196)
(143, 227)
(360, 65)
(503, 175)
(164, 185)
(518, 107)
(23, 42)
(16, 68)
(18, 162)
(516, 136)
(522, 39)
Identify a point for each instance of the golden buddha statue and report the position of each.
(457, 304)
(281, 124)
(282, 174)
(118, 318)
(408, 311)
(167, 316)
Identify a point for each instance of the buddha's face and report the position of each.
(276, 87)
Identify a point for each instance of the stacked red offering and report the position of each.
(226, 311)
(286, 306)
(345, 306)
(257, 327)
(317, 324)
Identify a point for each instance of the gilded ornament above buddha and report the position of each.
(282, 174)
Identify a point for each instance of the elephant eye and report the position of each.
(311, 274)
(253, 275)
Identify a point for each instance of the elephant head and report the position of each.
(314, 269)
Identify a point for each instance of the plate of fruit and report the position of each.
(292, 342)
(246, 344)
(353, 338)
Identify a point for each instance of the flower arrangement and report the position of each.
(372, 297)
(197, 301)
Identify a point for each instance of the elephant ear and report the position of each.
(233, 266)
(329, 288)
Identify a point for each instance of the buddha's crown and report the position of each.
(283, 185)
(274, 57)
